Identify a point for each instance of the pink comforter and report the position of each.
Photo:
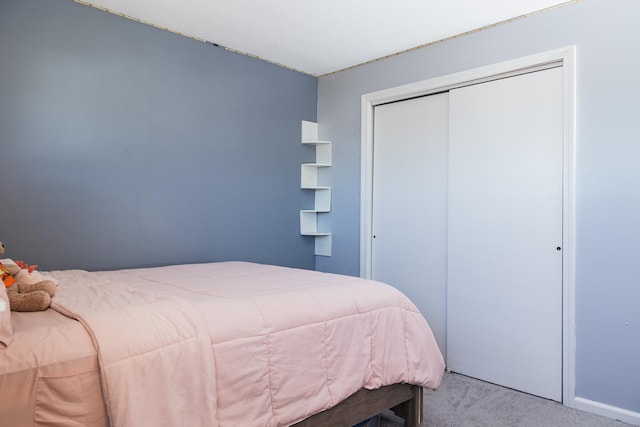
(242, 344)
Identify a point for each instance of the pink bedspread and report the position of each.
(242, 344)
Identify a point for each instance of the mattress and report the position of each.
(49, 374)
(218, 344)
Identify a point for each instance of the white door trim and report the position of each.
(564, 57)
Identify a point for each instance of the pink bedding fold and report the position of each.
(234, 343)
(154, 353)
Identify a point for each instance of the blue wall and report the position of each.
(126, 145)
(607, 36)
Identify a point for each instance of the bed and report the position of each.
(216, 344)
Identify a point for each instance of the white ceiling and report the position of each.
(322, 36)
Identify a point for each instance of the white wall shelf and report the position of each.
(309, 181)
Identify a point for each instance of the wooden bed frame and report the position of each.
(404, 399)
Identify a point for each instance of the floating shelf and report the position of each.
(309, 181)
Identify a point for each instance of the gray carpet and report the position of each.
(466, 402)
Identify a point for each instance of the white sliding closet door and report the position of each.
(409, 214)
(504, 301)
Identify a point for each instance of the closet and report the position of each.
(467, 220)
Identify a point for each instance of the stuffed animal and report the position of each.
(27, 289)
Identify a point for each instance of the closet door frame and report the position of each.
(564, 57)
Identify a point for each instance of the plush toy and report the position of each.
(27, 289)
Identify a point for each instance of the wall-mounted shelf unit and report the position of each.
(309, 181)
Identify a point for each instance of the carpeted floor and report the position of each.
(466, 402)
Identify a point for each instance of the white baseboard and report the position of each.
(608, 411)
